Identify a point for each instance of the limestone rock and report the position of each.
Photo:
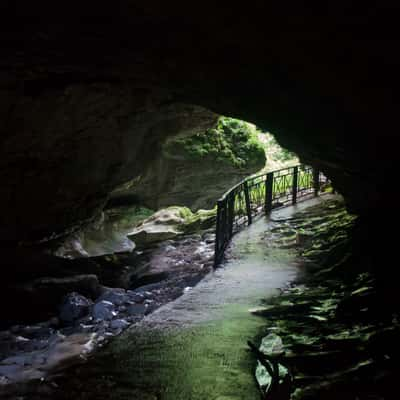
(170, 223)
(196, 171)
(163, 225)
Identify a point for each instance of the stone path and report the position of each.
(195, 347)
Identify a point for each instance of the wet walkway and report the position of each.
(195, 347)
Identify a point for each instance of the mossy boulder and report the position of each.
(169, 223)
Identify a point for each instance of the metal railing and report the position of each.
(261, 194)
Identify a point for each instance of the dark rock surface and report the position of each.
(38, 350)
(73, 307)
(187, 173)
(88, 92)
(338, 338)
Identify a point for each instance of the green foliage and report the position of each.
(277, 156)
(283, 154)
(232, 141)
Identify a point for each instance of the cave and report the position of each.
(91, 93)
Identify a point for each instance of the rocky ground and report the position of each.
(331, 334)
(150, 277)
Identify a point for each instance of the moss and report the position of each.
(231, 142)
(194, 222)
(202, 219)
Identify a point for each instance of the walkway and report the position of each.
(195, 347)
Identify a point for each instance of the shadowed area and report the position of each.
(195, 347)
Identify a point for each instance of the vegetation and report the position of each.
(283, 186)
(277, 156)
(232, 142)
(235, 142)
(194, 222)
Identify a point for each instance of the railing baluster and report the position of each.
(295, 184)
(217, 253)
(231, 213)
(224, 224)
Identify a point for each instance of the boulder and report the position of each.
(163, 225)
(169, 223)
(73, 307)
(152, 234)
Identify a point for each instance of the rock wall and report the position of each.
(73, 147)
(196, 171)
(88, 91)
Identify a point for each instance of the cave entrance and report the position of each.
(185, 179)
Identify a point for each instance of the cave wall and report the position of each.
(196, 171)
(74, 147)
(87, 91)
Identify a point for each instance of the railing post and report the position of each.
(295, 184)
(231, 214)
(269, 185)
(316, 183)
(247, 199)
(217, 235)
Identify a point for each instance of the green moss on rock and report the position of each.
(194, 171)
(232, 142)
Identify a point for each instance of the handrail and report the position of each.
(261, 193)
(254, 177)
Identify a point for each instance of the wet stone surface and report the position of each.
(194, 347)
(35, 352)
(337, 336)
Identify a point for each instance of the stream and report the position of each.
(195, 347)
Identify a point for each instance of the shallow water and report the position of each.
(195, 347)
